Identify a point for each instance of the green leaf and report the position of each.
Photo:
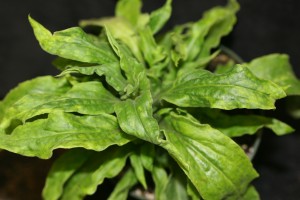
(238, 88)
(216, 165)
(138, 168)
(129, 9)
(111, 71)
(159, 17)
(223, 22)
(200, 37)
(38, 85)
(176, 188)
(84, 98)
(105, 164)
(64, 130)
(121, 190)
(152, 52)
(147, 155)
(238, 125)
(135, 118)
(62, 169)
(276, 68)
(74, 44)
(251, 194)
(134, 70)
(120, 29)
(161, 179)
(192, 191)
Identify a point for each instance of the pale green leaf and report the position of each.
(64, 130)
(159, 17)
(62, 169)
(238, 88)
(38, 85)
(192, 191)
(147, 155)
(135, 118)
(176, 188)
(238, 125)
(161, 179)
(223, 22)
(276, 68)
(138, 168)
(152, 52)
(120, 29)
(134, 70)
(121, 190)
(73, 44)
(84, 98)
(111, 71)
(105, 164)
(251, 194)
(216, 165)
(129, 9)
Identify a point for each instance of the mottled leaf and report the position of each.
(111, 71)
(135, 118)
(216, 165)
(64, 130)
(276, 68)
(238, 88)
(74, 44)
(84, 98)
(238, 125)
(38, 85)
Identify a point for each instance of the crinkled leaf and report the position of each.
(64, 130)
(223, 20)
(251, 194)
(153, 53)
(120, 29)
(216, 165)
(200, 37)
(138, 168)
(74, 44)
(276, 68)
(135, 118)
(238, 125)
(84, 98)
(105, 164)
(159, 17)
(62, 169)
(129, 9)
(111, 71)
(121, 190)
(38, 85)
(134, 70)
(238, 88)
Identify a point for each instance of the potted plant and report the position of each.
(144, 108)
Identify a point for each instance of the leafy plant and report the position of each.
(135, 105)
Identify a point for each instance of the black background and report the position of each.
(263, 27)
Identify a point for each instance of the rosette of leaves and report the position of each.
(143, 109)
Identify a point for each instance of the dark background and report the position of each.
(263, 27)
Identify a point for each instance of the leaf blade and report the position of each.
(213, 157)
